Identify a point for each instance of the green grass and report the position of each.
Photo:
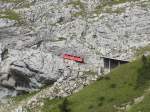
(28, 95)
(17, 99)
(12, 15)
(89, 73)
(104, 7)
(118, 10)
(143, 106)
(78, 4)
(118, 88)
(12, 1)
(109, 3)
(22, 3)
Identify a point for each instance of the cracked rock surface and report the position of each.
(36, 34)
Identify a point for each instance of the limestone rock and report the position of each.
(31, 53)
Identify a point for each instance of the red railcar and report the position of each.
(74, 58)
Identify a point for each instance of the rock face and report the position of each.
(29, 70)
(35, 35)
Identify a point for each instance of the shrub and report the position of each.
(113, 86)
(64, 107)
(144, 72)
(102, 98)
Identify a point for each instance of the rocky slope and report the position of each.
(34, 34)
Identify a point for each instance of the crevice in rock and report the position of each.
(33, 70)
(4, 54)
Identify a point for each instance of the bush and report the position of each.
(113, 86)
(144, 72)
(102, 98)
(64, 107)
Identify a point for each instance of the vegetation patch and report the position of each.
(117, 10)
(64, 106)
(143, 106)
(19, 3)
(78, 5)
(48, 105)
(143, 78)
(106, 6)
(11, 1)
(89, 73)
(17, 99)
(62, 38)
(142, 51)
(12, 15)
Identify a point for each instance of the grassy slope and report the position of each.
(119, 87)
(143, 106)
